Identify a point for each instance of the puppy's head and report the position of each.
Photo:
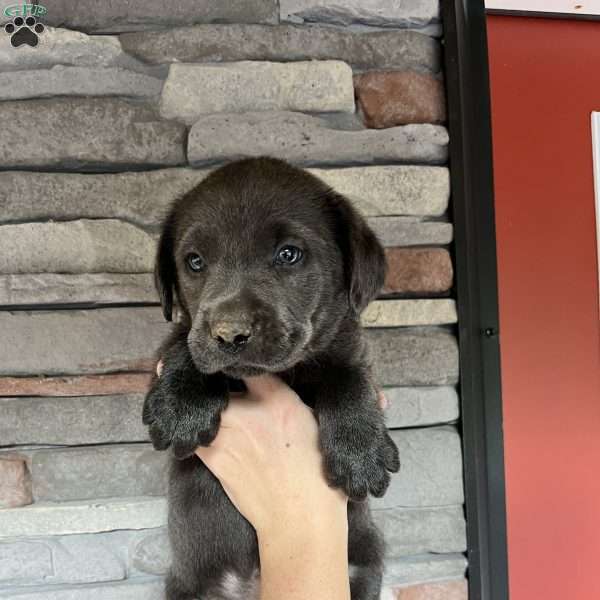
(265, 261)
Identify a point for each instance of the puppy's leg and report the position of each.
(365, 553)
(357, 449)
(183, 407)
(174, 590)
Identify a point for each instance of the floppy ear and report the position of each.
(364, 258)
(165, 273)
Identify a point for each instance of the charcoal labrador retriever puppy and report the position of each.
(270, 269)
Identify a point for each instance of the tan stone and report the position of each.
(15, 482)
(418, 270)
(86, 385)
(448, 590)
(389, 98)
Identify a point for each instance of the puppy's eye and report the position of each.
(288, 255)
(194, 262)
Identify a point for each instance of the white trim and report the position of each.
(596, 155)
(567, 7)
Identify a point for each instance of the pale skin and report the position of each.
(267, 458)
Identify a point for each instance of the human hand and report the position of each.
(266, 456)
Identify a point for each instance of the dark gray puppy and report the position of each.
(270, 268)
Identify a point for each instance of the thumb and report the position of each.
(264, 386)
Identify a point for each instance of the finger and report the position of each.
(382, 400)
(159, 367)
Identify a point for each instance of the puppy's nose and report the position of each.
(231, 336)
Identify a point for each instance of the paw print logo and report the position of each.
(24, 31)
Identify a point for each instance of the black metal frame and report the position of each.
(467, 83)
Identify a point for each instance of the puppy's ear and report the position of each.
(364, 258)
(165, 273)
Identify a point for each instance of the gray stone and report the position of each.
(392, 190)
(24, 561)
(87, 558)
(78, 81)
(378, 13)
(80, 341)
(402, 313)
(62, 47)
(92, 288)
(412, 531)
(98, 472)
(140, 198)
(151, 554)
(419, 406)
(142, 589)
(85, 246)
(72, 420)
(222, 43)
(423, 568)
(144, 198)
(431, 472)
(193, 90)
(87, 516)
(404, 231)
(101, 133)
(132, 15)
(307, 140)
(414, 356)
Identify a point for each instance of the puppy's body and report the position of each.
(271, 269)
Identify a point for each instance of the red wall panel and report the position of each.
(545, 81)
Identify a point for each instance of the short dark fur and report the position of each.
(305, 326)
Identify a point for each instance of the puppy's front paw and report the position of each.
(181, 424)
(360, 462)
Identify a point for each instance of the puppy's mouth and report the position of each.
(250, 362)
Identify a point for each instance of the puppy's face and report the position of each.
(265, 260)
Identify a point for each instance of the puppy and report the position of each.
(270, 269)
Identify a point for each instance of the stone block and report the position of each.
(407, 231)
(80, 341)
(152, 14)
(378, 13)
(431, 471)
(151, 553)
(63, 47)
(419, 406)
(423, 568)
(102, 133)
(15, 480)
(447, 590)
(144, 198)
(194, 90)
(392, 190)
(72, 420)
(135, 589)
(87, 558)
(418, 271)
(403, 313)
(413, 531)
(84, 246)
(78, 81)
(30, 289)
(83, 516)
(84, 385)
(98, 472)
(391, 98)
(307, 140)
(222, 43)
(414, 356)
